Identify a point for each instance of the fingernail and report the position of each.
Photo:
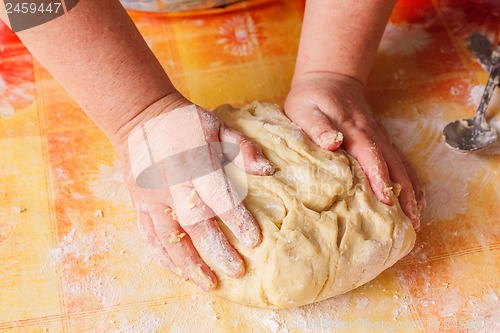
(387, 194)
(412, 210)
(201, 279)
(330, 138)
(233, 267)
(174, 270)
(417, 225)
(254, 238)
(263, 166)
(422, 203)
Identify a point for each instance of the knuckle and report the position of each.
(149, 237)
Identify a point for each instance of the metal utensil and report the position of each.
(467, 135)
(481, 49)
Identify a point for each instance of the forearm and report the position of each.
(342, 36)
(97, 54)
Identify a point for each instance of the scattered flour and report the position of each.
(145, 322)
(362, 303)
(477, 93)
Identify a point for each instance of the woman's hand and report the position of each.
(332, 111)
(173, 165)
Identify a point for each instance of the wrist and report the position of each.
(300, 78)
(120, 131)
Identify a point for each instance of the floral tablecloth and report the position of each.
(72, 260)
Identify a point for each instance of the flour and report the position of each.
(402, 308)
(447, 195)
(65, 247)
(146, 322)
(362, 303)
(476, 94)
(330, 309)
(85, 273)
(105, 284)
(18, 209)
(450, 303)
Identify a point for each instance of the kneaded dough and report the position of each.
(324, 231)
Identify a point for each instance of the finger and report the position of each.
(180, 248)
(154, 245)
(415, 180)
(249, 157)
(196, 218)
(219, 194)
(371, 159)
(316, 125)
(210, 241)
(398, 174)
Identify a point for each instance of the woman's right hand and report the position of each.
(332, 111)
(173, 166)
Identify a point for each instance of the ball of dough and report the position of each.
(324, 231)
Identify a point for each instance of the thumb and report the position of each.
(316, 125)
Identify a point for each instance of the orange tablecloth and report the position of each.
(72, 260)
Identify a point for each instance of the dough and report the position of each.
(324, 231)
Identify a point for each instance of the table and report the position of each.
(72, 259)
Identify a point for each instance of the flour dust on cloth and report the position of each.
(324, 231)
